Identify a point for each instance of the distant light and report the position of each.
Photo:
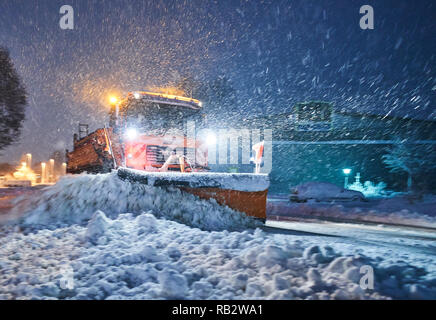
(200, 104)
(211, 139)
(131, 133)
(113, 100)
(137, 95)
(346, 171)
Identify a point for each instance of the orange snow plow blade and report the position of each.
(251, 203)
(243, 192)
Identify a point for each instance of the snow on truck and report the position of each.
(146, 143)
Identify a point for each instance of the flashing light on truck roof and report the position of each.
(113, 100)
(139, 94)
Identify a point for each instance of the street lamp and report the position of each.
(51, 176)
(29, 160)
(346, 172)
(43, 173)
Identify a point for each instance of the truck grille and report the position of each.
(159, 154)
(155, 154)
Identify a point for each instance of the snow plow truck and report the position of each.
(147, 142)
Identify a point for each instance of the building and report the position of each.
(314, 142)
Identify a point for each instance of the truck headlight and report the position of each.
(131, 133)
(211, 139)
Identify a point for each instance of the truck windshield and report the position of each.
(156, 118)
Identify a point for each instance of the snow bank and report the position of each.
(402, 217)
(369, 189)
(397, 210)
(174, 246)
(75, 199)
(142, 257)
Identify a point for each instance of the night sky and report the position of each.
(275, 53)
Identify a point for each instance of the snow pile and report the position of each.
(31, 265)
(142, 257)
(398, 210)
(340, 213)
(369, 189)
(97, 226)
(164, 249)
(75, 199)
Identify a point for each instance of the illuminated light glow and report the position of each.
(43, 172)
(137, 95)
(24, 172)
(29, 160)
(131, 133)
(346, 171)
(211, 139)
(129, 156)
(113, 100)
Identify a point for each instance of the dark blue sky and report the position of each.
(275, 52)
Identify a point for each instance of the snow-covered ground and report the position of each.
(400, 209)
(98, 237)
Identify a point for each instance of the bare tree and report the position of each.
(411, 159)
(12, 101)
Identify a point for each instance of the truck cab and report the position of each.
(147, 131)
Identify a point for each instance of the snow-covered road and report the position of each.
(417, 246)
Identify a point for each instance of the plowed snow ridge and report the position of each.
(73, 200)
